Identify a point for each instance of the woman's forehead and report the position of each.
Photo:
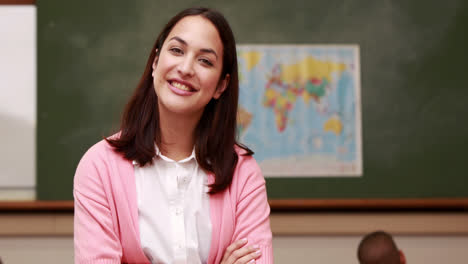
(197, 31)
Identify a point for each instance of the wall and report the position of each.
(302, 249)
(325, 239)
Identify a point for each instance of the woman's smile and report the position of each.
(181, 88)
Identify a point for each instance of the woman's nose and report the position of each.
(185, 66)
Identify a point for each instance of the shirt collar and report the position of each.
(189, 158)
(159, 154)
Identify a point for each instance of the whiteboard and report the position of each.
(17, 102)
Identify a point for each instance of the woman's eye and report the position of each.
(207, 62)
(176, 50)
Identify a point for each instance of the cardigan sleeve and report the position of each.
(252, 210)
(95, 239)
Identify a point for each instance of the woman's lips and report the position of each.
(180, 88)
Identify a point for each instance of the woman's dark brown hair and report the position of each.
(215, 134)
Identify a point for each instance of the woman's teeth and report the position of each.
(180, 86)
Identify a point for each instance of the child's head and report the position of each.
(379, 248)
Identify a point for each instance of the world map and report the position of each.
(299, 109)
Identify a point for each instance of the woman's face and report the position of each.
(187, 72)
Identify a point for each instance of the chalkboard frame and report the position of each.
(429, 204)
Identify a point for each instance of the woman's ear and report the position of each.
(223, 84)
(155, 62)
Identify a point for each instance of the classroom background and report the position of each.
(65, 67)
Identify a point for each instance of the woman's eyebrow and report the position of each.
(183, 42)
(209, 51)
(179, 40)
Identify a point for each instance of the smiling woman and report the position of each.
(187, 71)
(174, 185)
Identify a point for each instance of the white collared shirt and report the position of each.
(173, 210)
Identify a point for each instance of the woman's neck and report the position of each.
(177, 135)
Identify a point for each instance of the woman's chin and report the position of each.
(179, 108)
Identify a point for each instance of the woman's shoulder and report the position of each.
(96, 163)
(244, 154)
(247, 166)
(100, 151)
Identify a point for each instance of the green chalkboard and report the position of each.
(413, 71)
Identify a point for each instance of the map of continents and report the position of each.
(300, 109)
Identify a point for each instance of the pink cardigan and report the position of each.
(106, 211)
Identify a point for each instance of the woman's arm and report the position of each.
(95, 239)
(252, 209)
